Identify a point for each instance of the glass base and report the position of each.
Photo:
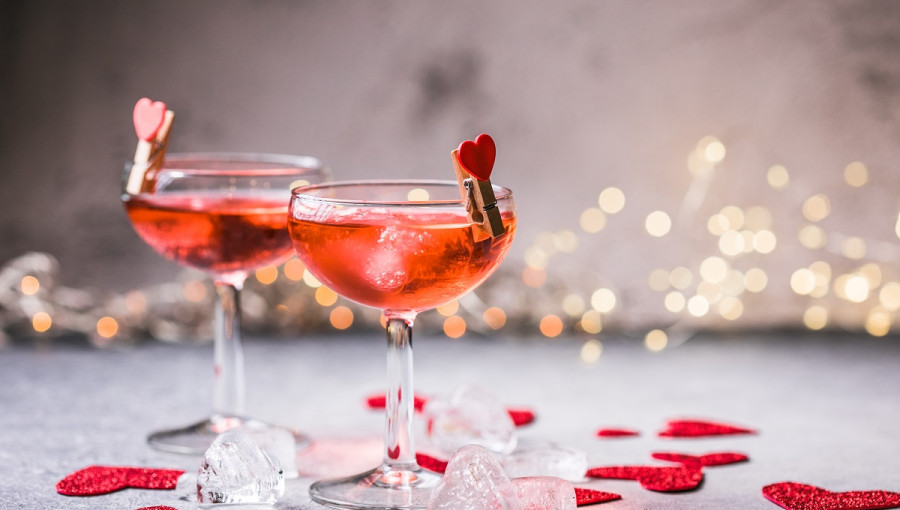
(378, 489)
(195, 439)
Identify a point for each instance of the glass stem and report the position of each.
(228, 398)
(399, 450)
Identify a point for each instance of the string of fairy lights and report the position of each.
(848, 285)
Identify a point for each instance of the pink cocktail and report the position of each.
(402, 247)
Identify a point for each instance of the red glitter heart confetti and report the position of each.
(701, 428)
(148, 118)
(616, 432)
(654, 478)
(584, 497)
(521, 416)
(431, 463)
(157, 508)
(709, 459)
(478, 157)
(800, 496)
(95, 480)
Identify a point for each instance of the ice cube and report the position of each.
(474, 479)
(236, 470)
(544, 493)
(278, 443)
(546, 459)
(470, 416)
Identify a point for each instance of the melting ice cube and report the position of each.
(278, 443)
(470, 416)
(544, 493)
(236, 470)
(546, 459)
(474, 479)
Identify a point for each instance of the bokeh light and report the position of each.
(656, 340)
(107, 327)
(267, 275)
(30, 285)
(778, 177)
(658, 224)
(494, 317)
(856, 174)
(41, 322)
(325, 296)
(591, 351)
(454, 326)
(611, 200)
(341, 317)
(551, 326)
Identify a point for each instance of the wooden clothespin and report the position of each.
(152, 124)
(473, 163)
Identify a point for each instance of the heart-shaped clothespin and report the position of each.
(478, 156)
(148, 117)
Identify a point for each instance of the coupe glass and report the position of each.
(402, 247)
(225, 214)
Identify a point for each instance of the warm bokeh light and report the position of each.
(298, 183)
(603, 300)
(731, 308)
(325, 296)
(311, 280)
(293, 270)
(591, 351)
(658, 224)
(733, 284)
(30, 285)
(698, 306)
(611, 200)
(717, 224)
(494, 317)
(764, 241)
(681, 278)
(41, 322)
(812, 237)
(107, 327)
(675, 301)
(815, 317)
(566, 241)
(816, 207)
(714, 269)
(454, 326)
(656, 340)
(734, 216)
(889, 296)
(267, 275)
(418, 195)
(803, 281)
(878, 323)
(711, 149)
(534, 278)
(872, 273)
(658, 279)
(592, 322)
(853, 248)
(537, 257)
(856, 289)
(699, 166)
(573, 305)
(341, 317)
(755, 280)
(731, 243)
(778, 177)
(194, 291)
(448, 309)
(551, 326)
(592, 220)
(856, 174)
(711, 291)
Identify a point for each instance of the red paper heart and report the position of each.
(431, 463)
(654, 478)
(800, 496)
(584, 497)
(617, 433)
(710, 459)
(478, 157)
(701, 428)
(148, 118)
(521, 416)
(95, 480)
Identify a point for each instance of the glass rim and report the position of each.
(501, 193)
(292, 164)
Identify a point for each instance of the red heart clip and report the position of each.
(654, 478)
(701, 428)
(478, 157)
(94, 480)
(800, 496)
(148, 118)
(584, 497)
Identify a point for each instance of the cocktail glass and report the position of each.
(223, 213)
(402, 247)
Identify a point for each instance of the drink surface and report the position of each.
(216, 232)
(404, 259)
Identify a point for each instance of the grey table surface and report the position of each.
(827, 408)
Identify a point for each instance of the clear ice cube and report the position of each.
(235, 470)
(470, 415)
(278, 443)
(545, 493)
(474, 479)
(546, 459)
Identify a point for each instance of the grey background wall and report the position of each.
(579, 95)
